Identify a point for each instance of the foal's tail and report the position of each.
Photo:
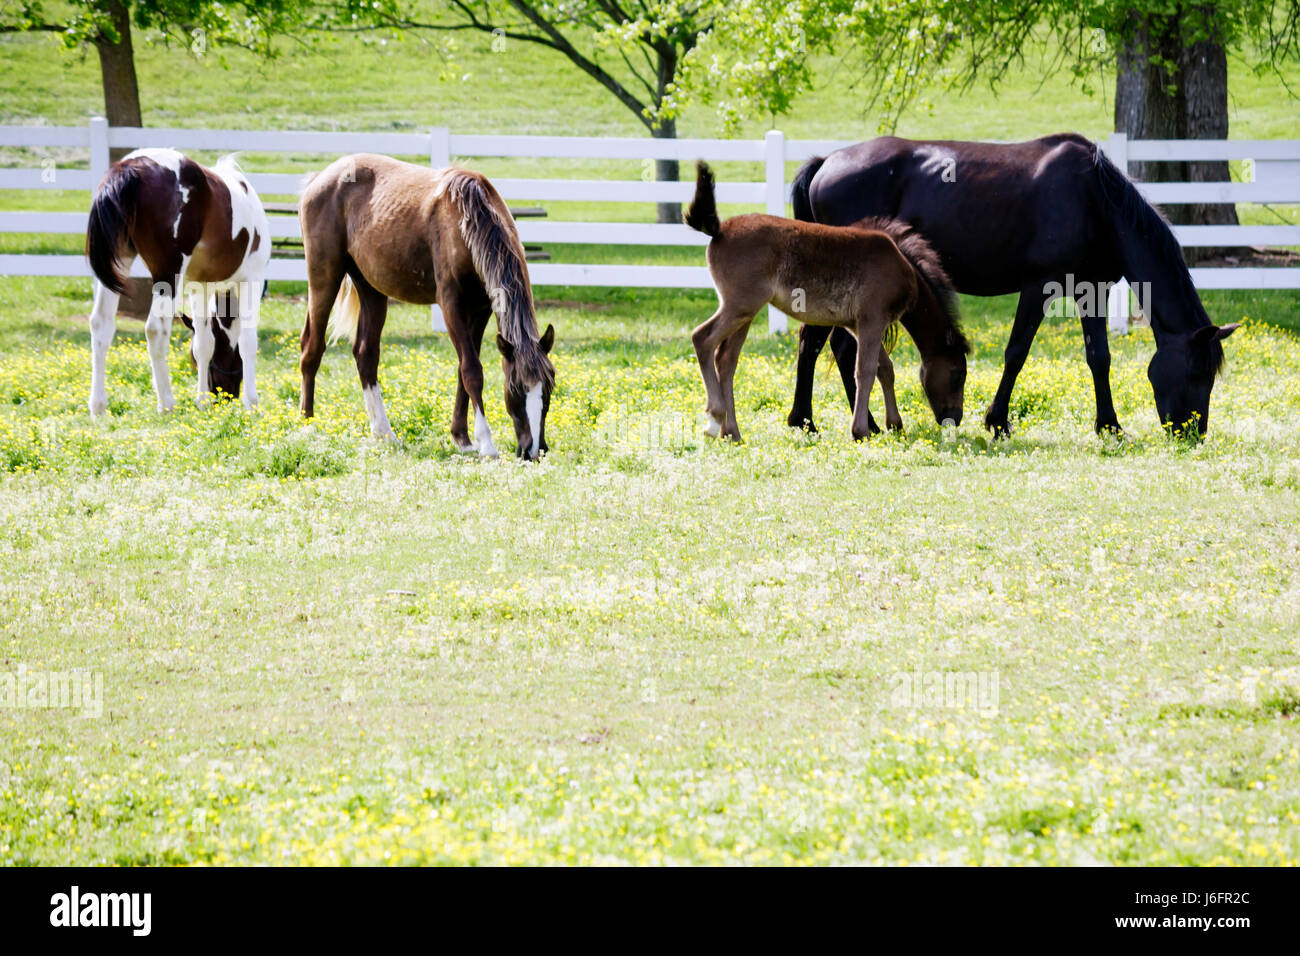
(702, 214)
(111, 216)
(489, 232)
(799, 189)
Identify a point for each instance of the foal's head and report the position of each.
(529, 378)
(226, 369)
(943, 376)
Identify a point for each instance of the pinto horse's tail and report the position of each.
(935, 293)
(111, 217)
(489, 232)
(702, 214)
(799, 189)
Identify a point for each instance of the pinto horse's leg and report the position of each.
(1029, 315)
(1097, 349)
(158, 333)
(365, 350)
(871, 332)
(248, 319)
(885, 373)
(324, 276)
(726, 358)
(203, 343)
(103, 323)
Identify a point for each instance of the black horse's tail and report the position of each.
(111, 216)
(799, 189)
(702, 214)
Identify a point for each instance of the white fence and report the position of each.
(1273, 165)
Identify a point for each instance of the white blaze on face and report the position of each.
(533, 408)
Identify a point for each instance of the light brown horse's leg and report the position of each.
(707, 338)
(365, 350)
(871, 332)
(885, 373)
(324, 276)
(726, 358)
(473, 341)
(461, 328)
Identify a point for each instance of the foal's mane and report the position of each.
(918, 251)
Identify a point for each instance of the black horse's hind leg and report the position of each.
(1097, 349)
(812, 339)
(1029, 315)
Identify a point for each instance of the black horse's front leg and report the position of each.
(1029, 315)
(1097, 349)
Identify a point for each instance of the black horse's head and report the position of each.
(1182, 375)
(226, 368)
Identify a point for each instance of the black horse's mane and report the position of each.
(918, 251)
(1152, 229)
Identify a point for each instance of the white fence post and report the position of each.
(99, 155)
(1118, 300)
(439, 158)
(774, 181)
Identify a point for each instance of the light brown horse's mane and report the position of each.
(918, 251)
(498, 255)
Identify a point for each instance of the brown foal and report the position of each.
(860, 279)
(375, 228)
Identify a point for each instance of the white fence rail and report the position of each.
(1272, 167)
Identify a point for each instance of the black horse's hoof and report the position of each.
(795, 420)
(997, 423)
(1109, 428)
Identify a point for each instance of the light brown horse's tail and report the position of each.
(346, 313)
(498, 255)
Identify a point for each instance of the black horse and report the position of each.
(1035, 218)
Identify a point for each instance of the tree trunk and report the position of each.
(1145, 108)
(666, 170)
(117, 68)
(1205, 79)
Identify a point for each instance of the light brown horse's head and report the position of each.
(529, 378)
(943, 377)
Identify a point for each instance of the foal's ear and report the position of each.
(506, 349)
(548, 339)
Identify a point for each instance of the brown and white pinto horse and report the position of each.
(857, 278)
(203, 235)
(375, 228)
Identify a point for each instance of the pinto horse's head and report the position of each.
(1182, 374)
(529, 378)
(226, 369)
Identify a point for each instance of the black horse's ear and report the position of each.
(189, 323)
(507, 350)
(548, 339)
(1213, 333)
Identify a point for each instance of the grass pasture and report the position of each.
(650, 647)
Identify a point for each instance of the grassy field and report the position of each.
(649, 647)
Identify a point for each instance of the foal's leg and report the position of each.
(365, 349)
(158, 333)
(203, 344)
(249, 312)
(725, 360)
(1029, 315)
(1097, 349)
(103, 323)
(324, 276)
(885, 373)
(871, 332)
(707, 338)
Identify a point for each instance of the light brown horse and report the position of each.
(374, 228)
(860, 279)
